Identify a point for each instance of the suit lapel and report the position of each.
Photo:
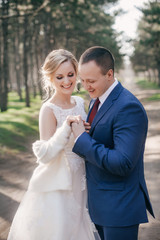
(106, 105)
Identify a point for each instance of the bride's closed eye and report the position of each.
(70, 74)
(60, 77)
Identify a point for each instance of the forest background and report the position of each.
(29, 30)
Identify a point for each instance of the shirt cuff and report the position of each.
(77, 138)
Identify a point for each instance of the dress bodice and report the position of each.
(61, 115)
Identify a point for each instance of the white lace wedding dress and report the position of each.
(54, 207)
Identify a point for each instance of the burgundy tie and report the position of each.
(93, 111)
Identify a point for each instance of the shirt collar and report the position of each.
(103, 97)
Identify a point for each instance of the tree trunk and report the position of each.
(31, 73)
(17, 56)
(47, 33)
(31, 65)
(158, 75)
(0, 68)
(25, 61)
(17, 64)
(37, 64)
(158, 68)
(155, 76)
(149, 76)
(5, 76)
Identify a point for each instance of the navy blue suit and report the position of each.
(113, 153)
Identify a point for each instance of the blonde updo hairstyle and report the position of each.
(52, 63)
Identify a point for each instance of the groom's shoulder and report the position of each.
(128, 95)
(128, 100)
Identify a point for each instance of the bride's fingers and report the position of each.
(76, 119)
(71, 119)
(79, 119)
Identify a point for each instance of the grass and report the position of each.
(18, 125)
(147, 85)
(150, 85)
(154, 97)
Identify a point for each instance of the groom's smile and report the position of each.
(93, 80)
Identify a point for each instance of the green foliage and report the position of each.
(36, 27)
(146, 56)
(19, 125)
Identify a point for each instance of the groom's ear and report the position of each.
(109, 74)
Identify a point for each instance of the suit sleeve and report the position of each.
(129, 134)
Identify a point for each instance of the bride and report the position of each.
(54, 206)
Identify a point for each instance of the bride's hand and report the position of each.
(70, 119)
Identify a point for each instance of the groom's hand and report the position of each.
(87, 126)
(78, 127)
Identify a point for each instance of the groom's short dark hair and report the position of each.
(102, 57)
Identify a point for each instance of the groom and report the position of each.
(113, 150)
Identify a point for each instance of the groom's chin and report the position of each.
(92, 94)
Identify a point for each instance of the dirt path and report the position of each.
(14, 176)
(16, 172)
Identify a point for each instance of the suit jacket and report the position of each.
(113, 153)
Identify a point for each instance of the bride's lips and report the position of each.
(67, 87)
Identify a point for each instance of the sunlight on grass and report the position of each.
(147, 85)
(18, 124)
(154, 97)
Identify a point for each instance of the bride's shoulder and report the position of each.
(46, 110)
(50, 107)
(47, 122)
(45, 107)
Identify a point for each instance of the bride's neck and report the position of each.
(62, 100)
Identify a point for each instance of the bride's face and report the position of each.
(64, 78)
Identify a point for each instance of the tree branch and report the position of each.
(43, 5)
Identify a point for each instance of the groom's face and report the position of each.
(93, 80)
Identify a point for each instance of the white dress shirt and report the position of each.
(105, 95)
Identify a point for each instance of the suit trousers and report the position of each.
(118, 233)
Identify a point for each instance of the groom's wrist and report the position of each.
(77, 138)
